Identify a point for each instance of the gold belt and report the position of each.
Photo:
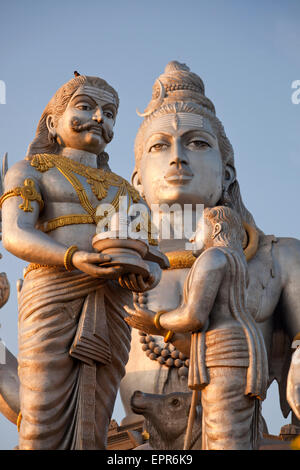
(71, 219)
(33, 266)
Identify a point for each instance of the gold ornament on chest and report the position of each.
(98, 179)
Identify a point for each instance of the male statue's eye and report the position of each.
(158, 147)
(84, 107)
(108, 114)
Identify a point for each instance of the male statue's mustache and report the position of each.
(106, 134)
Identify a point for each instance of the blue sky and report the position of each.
(247, 53)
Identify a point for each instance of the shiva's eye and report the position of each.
(158, 147)
(198, 145)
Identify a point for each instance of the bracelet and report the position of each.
(19, 419)
(169, 336)
(156, 319)
(68, 257)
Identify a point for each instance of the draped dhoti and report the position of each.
(73, 348)
(230, 417)
(229, 420)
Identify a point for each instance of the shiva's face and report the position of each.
(181, 161)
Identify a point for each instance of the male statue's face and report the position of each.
(87, 123)
(181, 161)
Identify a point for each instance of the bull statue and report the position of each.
(166, 418)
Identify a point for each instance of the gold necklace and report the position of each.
(185, 259)
(98, 179)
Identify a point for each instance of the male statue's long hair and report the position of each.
(43, 142)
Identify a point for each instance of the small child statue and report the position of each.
(228, 359)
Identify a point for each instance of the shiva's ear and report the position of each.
(229, 177)
(136, 182)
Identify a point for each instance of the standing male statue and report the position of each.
(73, 341)
(183, 156)
(228, 359)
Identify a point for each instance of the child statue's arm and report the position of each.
(207, 278)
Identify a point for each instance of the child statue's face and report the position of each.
(203, 237)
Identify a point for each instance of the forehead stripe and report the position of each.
(191, 120)
(97, 93)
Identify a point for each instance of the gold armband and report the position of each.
(27, 192)
(168, 336)
(68, 257)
